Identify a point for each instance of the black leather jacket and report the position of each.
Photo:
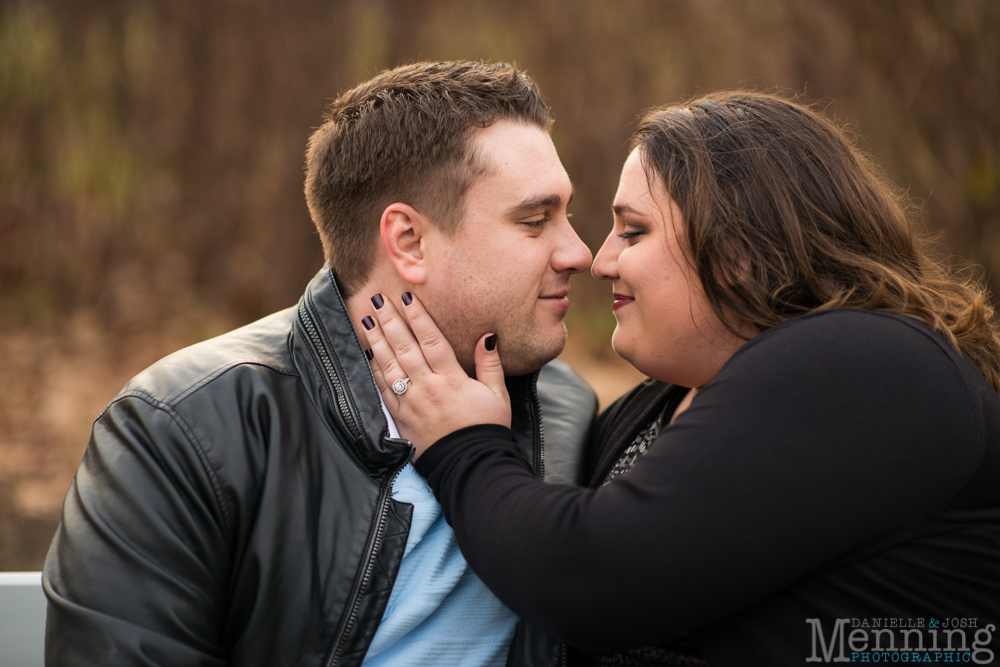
(234, 505)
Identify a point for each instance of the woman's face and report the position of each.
(666, 327)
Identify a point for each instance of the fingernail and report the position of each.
(491, 342)
(407, 298)
(368, 323)
(378, 301)
(369, 355)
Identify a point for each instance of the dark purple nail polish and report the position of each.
(368, 323)
(491, 342)
(407, 298)
(378, 301)
(369, 355)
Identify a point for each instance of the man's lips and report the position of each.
(622, 300)
(558, 300)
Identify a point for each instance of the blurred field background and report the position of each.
(151, 157)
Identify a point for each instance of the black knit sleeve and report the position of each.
(818, 438)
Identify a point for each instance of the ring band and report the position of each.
(400, 386)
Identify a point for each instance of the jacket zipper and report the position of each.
(371, 549)
(541, 435)
(328, 364)
(563, 657)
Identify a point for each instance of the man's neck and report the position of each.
(359, 305)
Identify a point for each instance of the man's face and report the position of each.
(506, 270)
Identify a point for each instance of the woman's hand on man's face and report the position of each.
(440, 397)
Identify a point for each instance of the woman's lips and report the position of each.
(622, 300)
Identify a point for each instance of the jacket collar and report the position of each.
(332, 364)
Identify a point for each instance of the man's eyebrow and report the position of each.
(535, 203)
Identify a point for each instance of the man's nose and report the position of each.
(572, 254)
(606, 263)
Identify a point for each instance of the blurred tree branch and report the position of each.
(152, 150)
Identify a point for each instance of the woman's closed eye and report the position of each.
(631, 233)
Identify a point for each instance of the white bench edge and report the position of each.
(20, 578)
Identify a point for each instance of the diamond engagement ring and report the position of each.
(400, 386)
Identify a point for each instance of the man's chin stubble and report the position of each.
(522, 350)
(525, 354)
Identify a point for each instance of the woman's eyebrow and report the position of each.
(621, 209)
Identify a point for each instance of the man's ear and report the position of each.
(403, 229)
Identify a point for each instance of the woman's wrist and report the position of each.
(455, 441)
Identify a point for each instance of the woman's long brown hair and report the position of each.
(783, 215)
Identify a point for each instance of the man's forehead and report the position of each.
(520, 168)
(506, 145)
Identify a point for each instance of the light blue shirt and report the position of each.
(439, 612)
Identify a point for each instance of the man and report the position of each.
(246, 501)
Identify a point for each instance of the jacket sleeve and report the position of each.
(137, 571)
(811, 444)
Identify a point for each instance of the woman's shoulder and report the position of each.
(858, 371)
(875, 388)
(862, 353)
(872, 338)
(854, 321)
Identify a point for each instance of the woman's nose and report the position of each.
(605, 265)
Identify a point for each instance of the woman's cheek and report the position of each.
(620, 343)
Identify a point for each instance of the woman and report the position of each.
(816, 456)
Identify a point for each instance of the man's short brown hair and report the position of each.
(406, 136)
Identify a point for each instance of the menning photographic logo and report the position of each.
(902, 640)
